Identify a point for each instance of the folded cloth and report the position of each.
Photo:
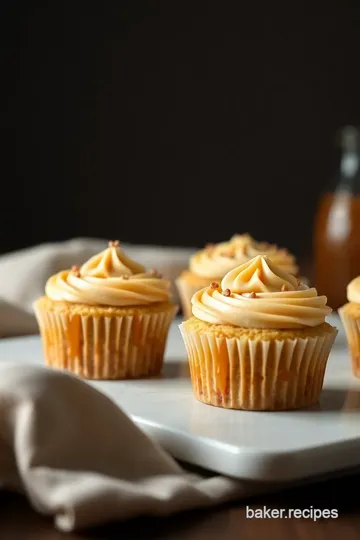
(79, 458)
(23, 274)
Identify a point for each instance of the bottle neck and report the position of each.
(350, 162)
(350, 165)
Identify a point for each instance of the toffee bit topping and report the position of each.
(114, 243)
(227, 292)
(284, 288)
(209, 246)
(75, 269)
(214, 285)
(125, 276)
(252, 295)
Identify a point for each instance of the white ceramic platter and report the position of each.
(282, 446)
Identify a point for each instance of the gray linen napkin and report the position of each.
(79, 458)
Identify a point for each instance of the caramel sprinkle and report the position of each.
(75, 269)
(283, 288)
(227, 292)
(125, 276)
(252, 295)
(214, 285)
(114, 243)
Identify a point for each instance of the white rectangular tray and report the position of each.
(281, 446)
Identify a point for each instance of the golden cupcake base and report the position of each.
(104, 342)
(257, 370)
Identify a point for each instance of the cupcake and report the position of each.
(215, 260)
(350, 317)
(259, 340)
(107, 319)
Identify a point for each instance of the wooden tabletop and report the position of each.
(19, 522)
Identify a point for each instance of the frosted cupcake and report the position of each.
(259, 340)
(108, 319)
(350, 317)
(215, 260)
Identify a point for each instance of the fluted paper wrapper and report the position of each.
(118, 347)
(352, 330)
(239, 373)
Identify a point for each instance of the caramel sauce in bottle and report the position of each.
(337, 226)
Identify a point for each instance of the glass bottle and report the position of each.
(337, 225)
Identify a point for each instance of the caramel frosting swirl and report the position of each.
(258, 294)
(216, 260)
(353, 290)
(109, 278)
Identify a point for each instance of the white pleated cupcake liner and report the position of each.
(240, 373)
(118, 347)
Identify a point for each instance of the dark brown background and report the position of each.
(173, 122)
